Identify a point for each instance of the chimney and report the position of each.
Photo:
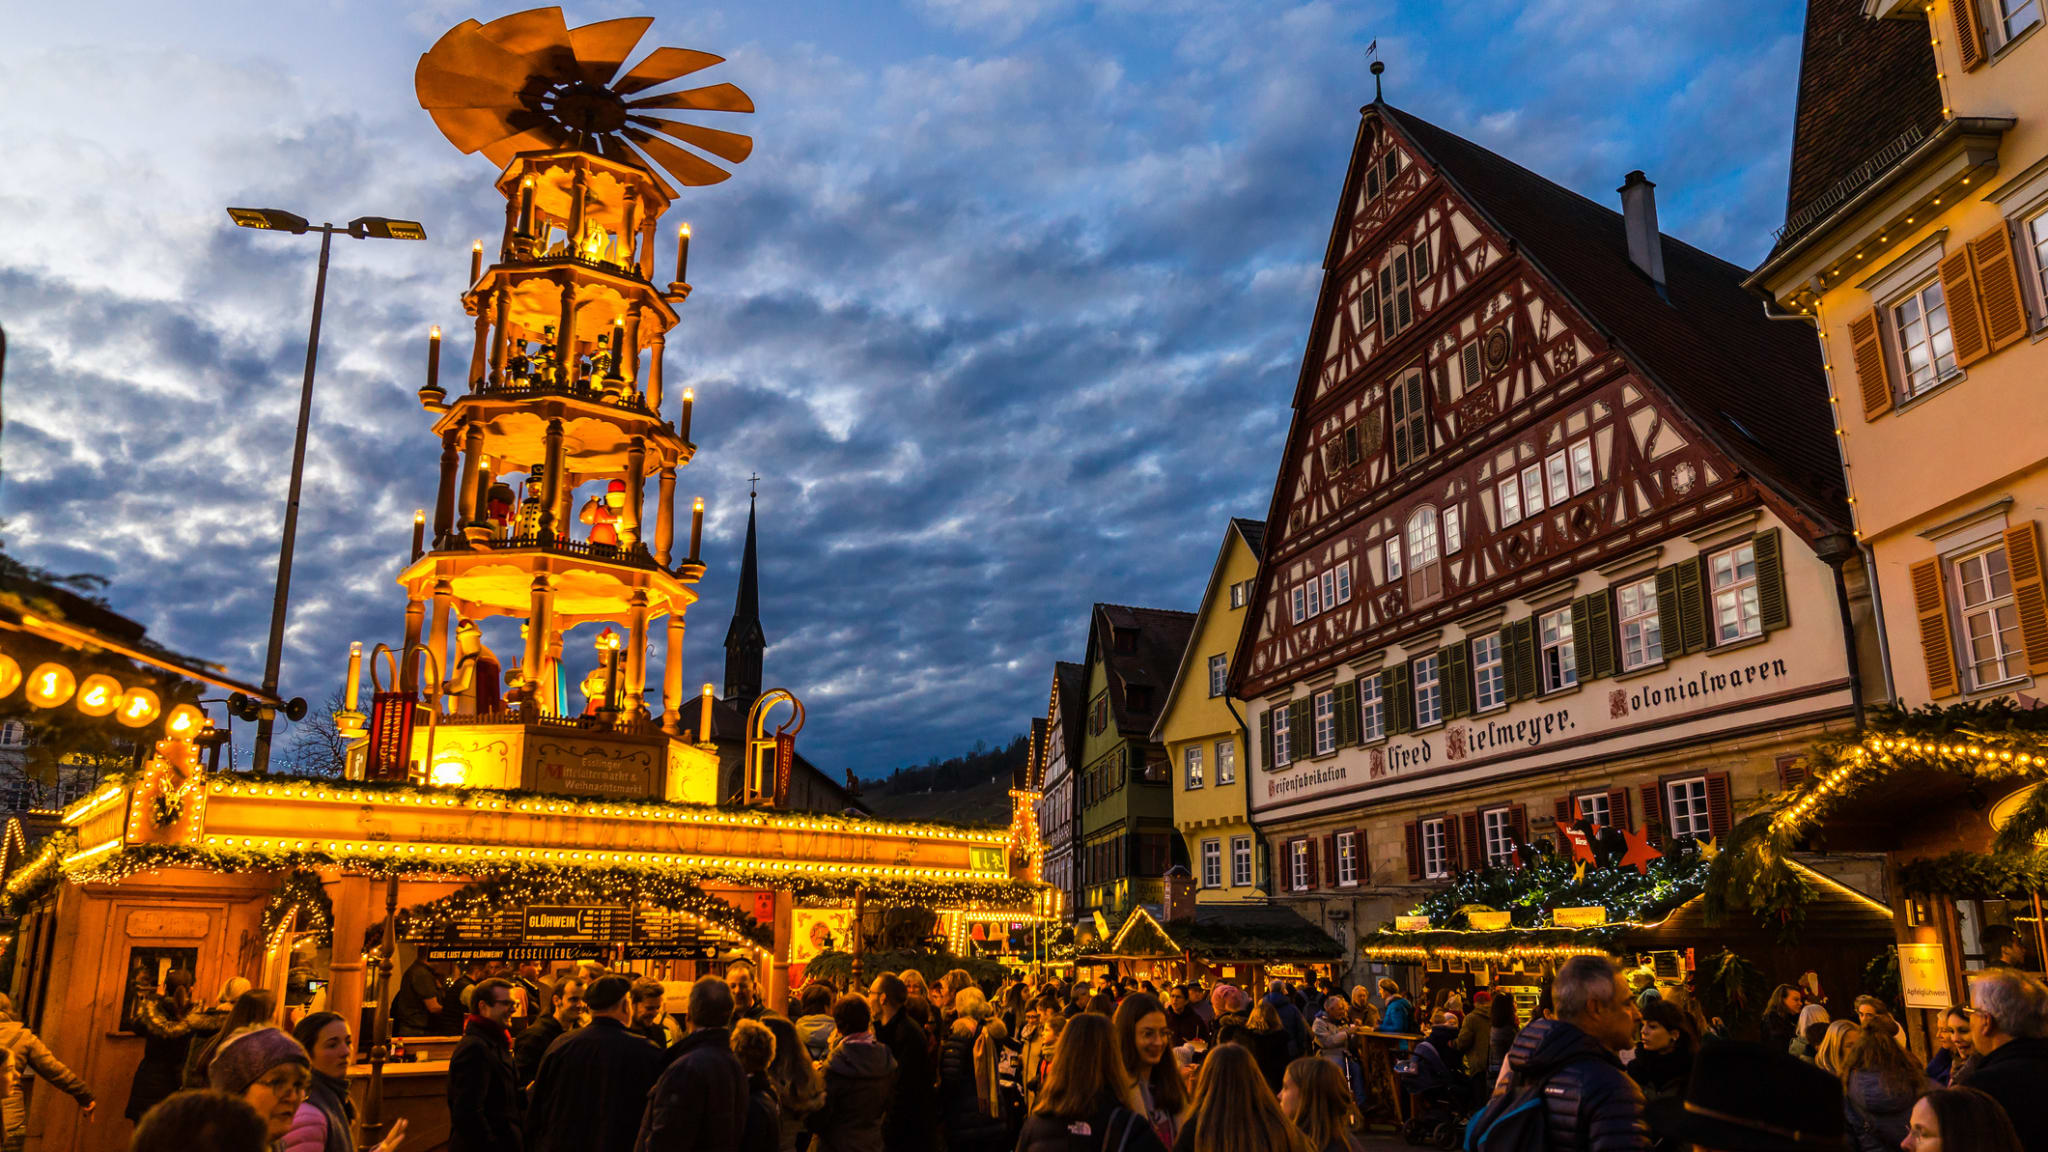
(1639, 217)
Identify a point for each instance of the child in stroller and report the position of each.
(1435, 1080)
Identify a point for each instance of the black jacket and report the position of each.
(592, 1089)
(2013, 1074)
(1270, 1046)
(484, 1101)
(532, 1044)
(1592, 1104)
(1109, 1130)
(700, 1103)
(968, 1126)
(859, 1080)
(763, 1130)
(912, 1122)
(1661, 1074)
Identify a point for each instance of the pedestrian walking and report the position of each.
(970, 1125)
(746, 991)
(753, 1045)
(1089, 1103)
(1752, 1098)
(485, 1103)
(1269, 1043)
(165, 1022)
(253, 1007)
(269, 1069)
(1234, 1110)
(1880, 1081)
(592, 1084)
(324, 1122)
(1958, 1118)
(699, 1103)
(1187, 1024)
(30, 1054)
(799, 1089)
(214, 1121)
(1570, 1064)
(911, 1122)
(2009, 1029)
(1145, 1043)
(860, 1078)
(1316, 1099)
(565, 1014)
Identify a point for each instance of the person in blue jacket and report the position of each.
(1398, 1014)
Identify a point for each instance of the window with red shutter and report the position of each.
(1720, 814)
(1518, 821)
(1791, 771)
(1474, 841)
(1314, 863)
(1653, 814)
(1329, 872)
(1617, 808)
(1412, 832)
(1564, 810)
(1453, 846)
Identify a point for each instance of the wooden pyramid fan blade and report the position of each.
(466, 51)
(663, 65)
(692, 170)
(541, 36)
(717, 98)
(602, 48)
(724, 145)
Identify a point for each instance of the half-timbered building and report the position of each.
(1559, 533)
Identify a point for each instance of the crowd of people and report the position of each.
(1604, 1060)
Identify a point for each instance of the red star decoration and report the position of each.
(1581, 844)
(1639, 852)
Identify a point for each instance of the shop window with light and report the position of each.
(1499, 837)
(1489, 673)
(1990, 626)
(1347, 858)
(1219, 673)
(1212, 864)
(1325, 711)
(1436, 851)
(1642, 642)
(1927, 351)
(1226, 761)
(1737, 615)
(1510, 492)
(1429, 691)
(1559, 662)
(1240, 861)
(1191, 765)
(1372, 708)
(1300, 876)
(1594, 806)
(1685, 809)
(1283, 743)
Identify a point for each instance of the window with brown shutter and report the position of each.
(1412, 833)
(1566, 810)
(1653, 814)
(1873, 370)
(2029, 595)
(1965, 313)
(1518, 822)
(1474, 840)
(1453, 846)
(1937, 648)
(1617, 807)
(1314, 862)
(1969, 32)
(1720, 814)
(1998, 284)
(1791, 771)
(1329, 872)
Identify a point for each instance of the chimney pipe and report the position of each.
(1639, 216)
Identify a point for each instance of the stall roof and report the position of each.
(1217, 932)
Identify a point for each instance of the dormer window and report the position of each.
(1123, 639)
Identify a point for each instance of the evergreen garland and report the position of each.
(1994, 875)
(301, 890)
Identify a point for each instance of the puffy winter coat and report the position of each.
(1591, 1102)
(859, 1081)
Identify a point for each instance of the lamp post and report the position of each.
(362, 228)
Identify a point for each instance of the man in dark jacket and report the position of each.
(858, 1082)
(593, 1084)
(700, 1103)
(1290, 1019)
(1590, 1103)
(912, 1121)
(484, 1100)
(565, 1015)
(2009, 1029)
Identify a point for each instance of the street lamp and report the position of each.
(362, 228)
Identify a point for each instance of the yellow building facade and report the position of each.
(1203, 731)
(1916, 241)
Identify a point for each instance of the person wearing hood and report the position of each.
(1880, 1081)
(860, 1079)
(1291, 1021)
(1571, 1064)
(267, 1068)
(1231, 1006)
(485, 1103)
(2009, 1030)
(815, 1024)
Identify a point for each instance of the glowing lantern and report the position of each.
(99, 695)
(185, 722)
(50, 685)
(450, 770)
(10, 674)
(139, 706)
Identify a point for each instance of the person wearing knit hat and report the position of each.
(269, 1069)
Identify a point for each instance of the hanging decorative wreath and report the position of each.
(300, 891)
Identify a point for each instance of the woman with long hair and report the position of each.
(251, 1008)
(1089, 1102)
(1235, 1111)
(1315, 1099)
(799, 1091)
(1269, 1043)
(1663, 1051)
(1144, 1040)
(1959, 1120)
(1880, 1081)
(1835, 1045)
(1781, 1018)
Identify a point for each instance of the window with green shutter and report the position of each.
(1770, 581)
(1521, 655)
(1682, 607)
(1347, 714)
(1457, 672)
(1400, 709)
(1593, 635)
(1301, 727)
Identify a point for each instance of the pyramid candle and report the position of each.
(683, 255)
(689, 404)
(696, 527)
(355, 675)
(476, 261)
(419, 533)
(526, 207)
(434, 356)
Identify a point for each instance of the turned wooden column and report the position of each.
(539, 625)
(551, 523)
(579, 187)
(408, 662)
(480, 352)
(655, 345)
(636, 481)
(472, 463)
(551, 660)
(665, 516)
(647, 230)
(565, 336)
(444, 502)
(437, 639)
(629, 355)
(501, 333)
(636, 655)
(672, 674)
(629, 219)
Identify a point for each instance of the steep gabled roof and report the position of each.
(1070, 696)
(1752, 385)
(1161, 637)
(1030, 775)
(1253, 533)
(1863, 84)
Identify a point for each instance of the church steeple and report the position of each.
(744, 640)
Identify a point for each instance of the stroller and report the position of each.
(1441, 1093)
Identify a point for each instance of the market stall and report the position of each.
(1242, 944)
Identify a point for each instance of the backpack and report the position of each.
(1517, 1120)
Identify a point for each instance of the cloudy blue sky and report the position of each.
(1005, 308)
